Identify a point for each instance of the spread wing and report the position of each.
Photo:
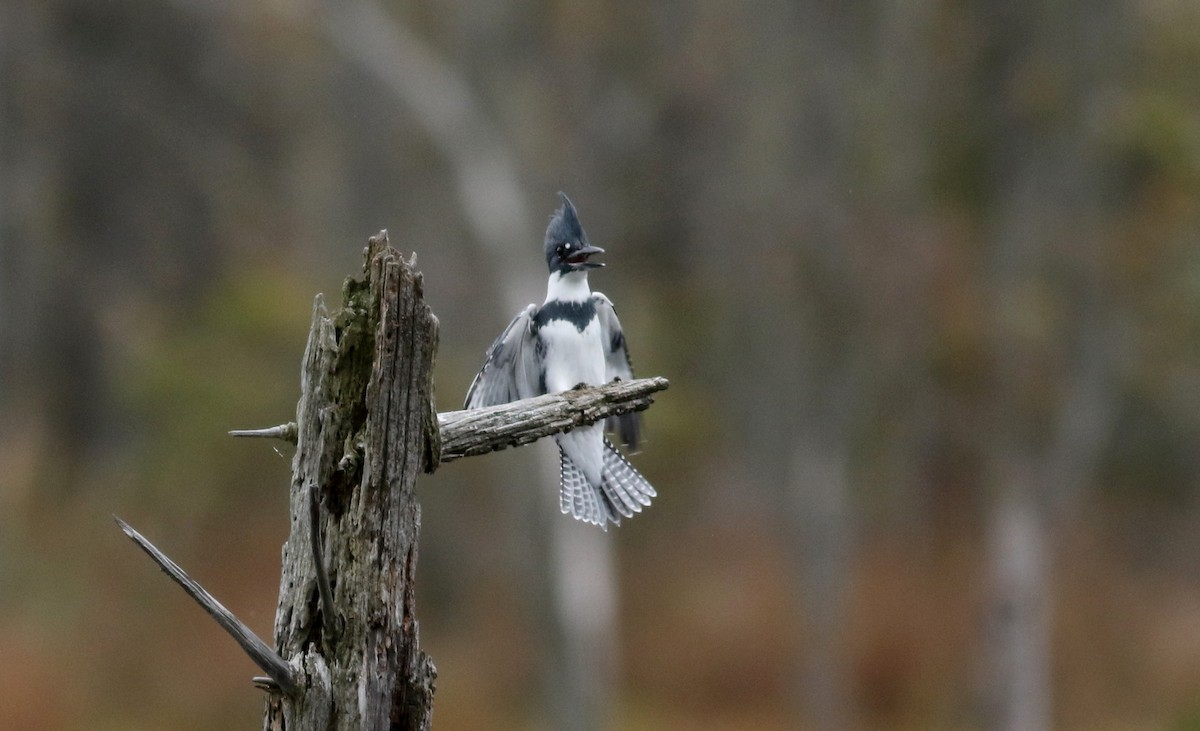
(617, 366)
(511, 370)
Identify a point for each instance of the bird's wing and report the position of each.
(617, 366)
(511, 371)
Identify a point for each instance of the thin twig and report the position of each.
(262, 655)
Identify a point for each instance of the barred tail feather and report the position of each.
(622, 492)
(624, 486)
(579, 499)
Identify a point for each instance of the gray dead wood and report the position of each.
(365, 429)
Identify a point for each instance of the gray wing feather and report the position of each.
(510, 371)
(617, 366)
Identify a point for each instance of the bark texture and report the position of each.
(366, 427)
(479, 431)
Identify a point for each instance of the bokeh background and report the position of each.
(924, 276)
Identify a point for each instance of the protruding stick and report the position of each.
(262, 655)
(262, 682)
(286, 432)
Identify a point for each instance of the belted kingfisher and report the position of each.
(574, 338)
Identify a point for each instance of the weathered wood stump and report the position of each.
(365, 429)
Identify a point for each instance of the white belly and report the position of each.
(571, 357)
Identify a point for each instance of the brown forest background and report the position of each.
(924, 275)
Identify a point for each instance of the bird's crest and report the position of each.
(564, 224)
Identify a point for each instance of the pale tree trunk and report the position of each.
(1044, 245)
(828, 360)
(585, 649)
(820, 516)
(573, 567)
(1018, 622)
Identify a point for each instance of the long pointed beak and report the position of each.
(582, 257)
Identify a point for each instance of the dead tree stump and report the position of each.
(365, 428)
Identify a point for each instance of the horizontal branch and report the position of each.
(262, 655)
(479, 431)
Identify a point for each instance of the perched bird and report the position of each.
(574, 338)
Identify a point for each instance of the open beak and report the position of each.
(581, 258)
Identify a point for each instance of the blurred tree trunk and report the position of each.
(8, 56)
(820, 515)
(570, 568)
(789, 292)
(51, 372)
(827, 353)
(366, 428)
(1018, 633)
(1053, 374)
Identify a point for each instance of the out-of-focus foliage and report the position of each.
(900, 260)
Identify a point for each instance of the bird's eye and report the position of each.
(567, 246)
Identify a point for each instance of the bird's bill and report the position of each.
(581, 257)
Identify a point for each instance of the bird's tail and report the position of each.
(622, 491)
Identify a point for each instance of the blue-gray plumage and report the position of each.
(574, 338)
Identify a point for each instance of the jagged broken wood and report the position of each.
(478, 431)
(366, 429)
(346, 644)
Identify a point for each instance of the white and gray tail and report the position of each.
(622, 491)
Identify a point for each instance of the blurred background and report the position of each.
(924, 277)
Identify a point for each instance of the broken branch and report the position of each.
(263, 656)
